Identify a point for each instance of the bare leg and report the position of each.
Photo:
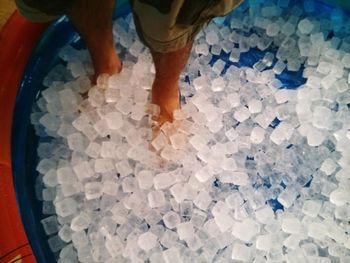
(93, 20)
(165, 89)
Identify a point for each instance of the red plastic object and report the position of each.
(17, 39)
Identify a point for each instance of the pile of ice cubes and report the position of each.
(248, 171)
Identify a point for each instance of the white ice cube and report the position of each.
(156, 198)
(147, 241)
(171, 219)
(241, 252)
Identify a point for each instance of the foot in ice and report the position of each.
(110, 66)
(167, 97)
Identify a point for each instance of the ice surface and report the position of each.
(205, 187)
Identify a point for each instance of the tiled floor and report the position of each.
(7, 7)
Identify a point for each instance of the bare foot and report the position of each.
(166, 96)
(111, 66)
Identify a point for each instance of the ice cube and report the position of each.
(129, 185)
(77, 142)
(185, 230)
(322, 117)
(93, 150)
(203, 200)
(234, 177)
(114, 246)
(279, 67)
(218, 84)
(172, 255)
(311, 208)
(204, 174)
(171, 219)
(65, 175)
(80, 222)
(50, 178)
(103, 165)
(109, 187)
(346, 60)
(114, 120)
(163, 180)
(242, 114)
(224, 221)
(305, 26)
(231, 134)
(65, 233)
(245, 230)
(339, 197)
(264, 214)
(55, 243)
(202, 49)
(66, 207)
(153, 217)
(198, 142)
(233, 99)
(317, 230)
(257, 135)
(50, 225)
(287, 197)
(186, 208)
(272, 29)
(328, 166)
(281, 96)
(178, 140)
(200, 82)
(123, 168)
(160, 141)
(145, 179)
(241, 252)
(156, 198)
(147, 241)
(264, 242)
(254, 106)
(315, 137)
(93, 190)
(212, 38)
(83, 171)
(235, 55)
(50, 121)
(291, 225)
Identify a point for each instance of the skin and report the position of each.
(93, 21)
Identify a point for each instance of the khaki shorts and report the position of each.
(162, 25)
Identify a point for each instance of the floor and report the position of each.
(7, 7)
